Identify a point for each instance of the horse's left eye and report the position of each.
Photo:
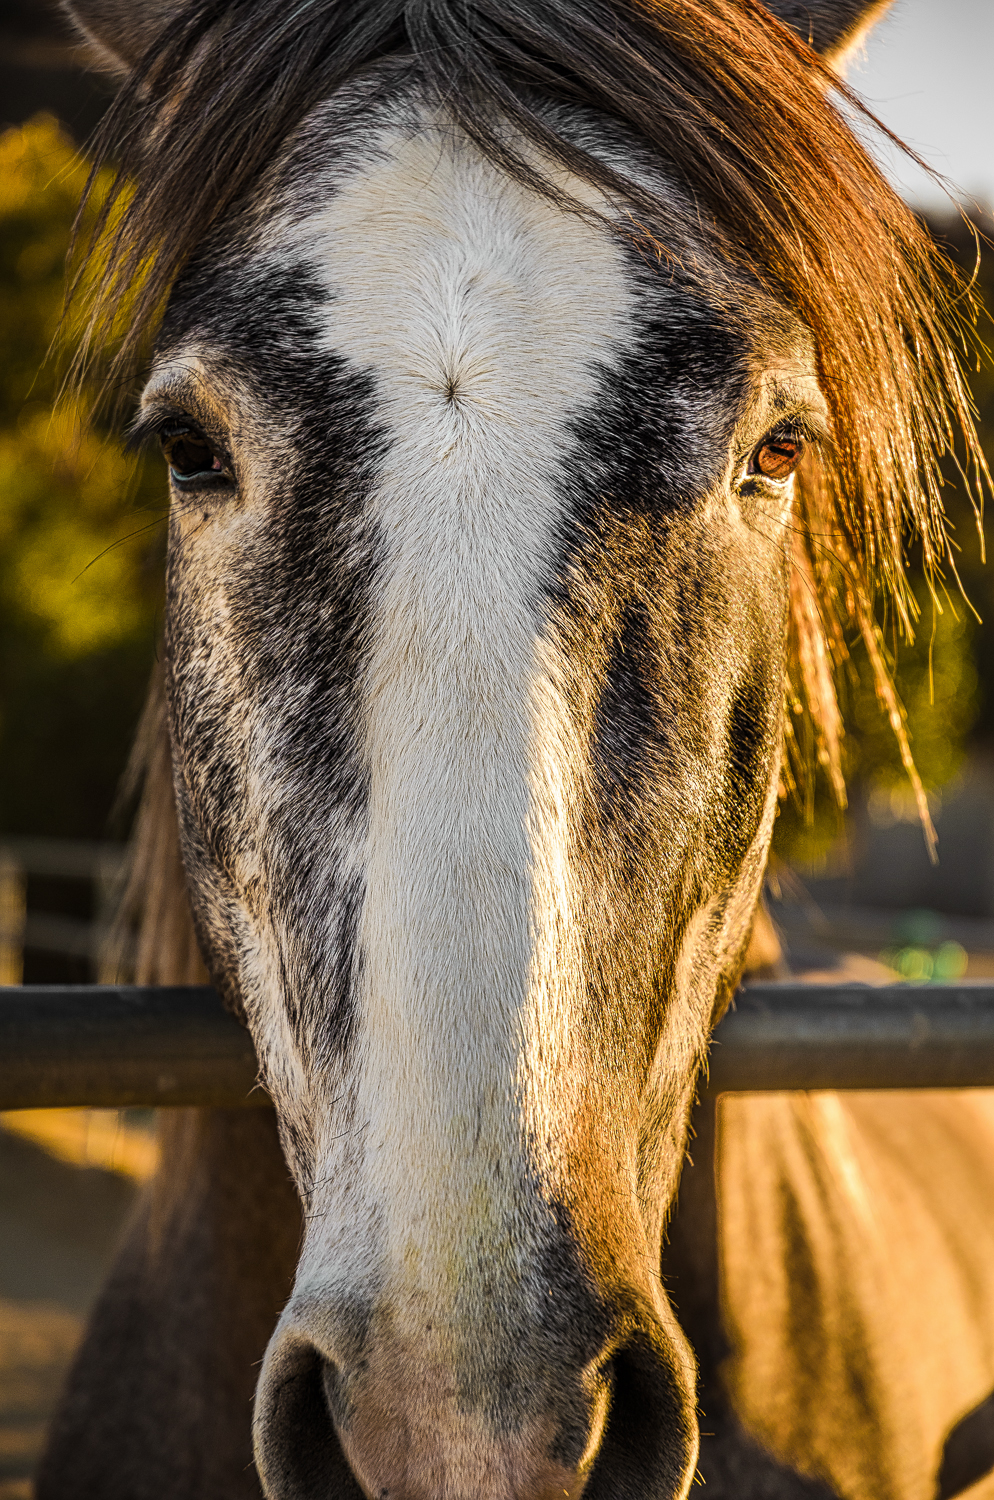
(190, 456)
(777, 455)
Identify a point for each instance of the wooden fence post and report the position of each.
(12, 916)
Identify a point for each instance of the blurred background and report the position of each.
(81, 539)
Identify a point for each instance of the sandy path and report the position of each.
(58, 1226)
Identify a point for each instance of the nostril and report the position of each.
(297, 1451)
(649, 1444)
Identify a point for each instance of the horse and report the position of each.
(542, 388)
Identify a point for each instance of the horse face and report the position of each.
(476, 611)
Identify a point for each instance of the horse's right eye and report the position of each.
(191, 457)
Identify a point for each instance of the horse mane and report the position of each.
(741, 113)
(152, 939)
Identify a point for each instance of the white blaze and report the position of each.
(480, 311)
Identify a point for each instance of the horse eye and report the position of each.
(190, 456)
(777, 456)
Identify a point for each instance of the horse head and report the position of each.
(482, 435)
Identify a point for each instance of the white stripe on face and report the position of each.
(481, 312)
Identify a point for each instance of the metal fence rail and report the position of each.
(105, 1046)
(812, 1036)
(109, 1046)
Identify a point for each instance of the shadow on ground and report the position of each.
(58, 1226)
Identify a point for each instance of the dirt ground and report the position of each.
(59, 1220)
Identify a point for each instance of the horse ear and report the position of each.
(833, 27)
(118, 33)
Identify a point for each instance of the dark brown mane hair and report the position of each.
(742, 115)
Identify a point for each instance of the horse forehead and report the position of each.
(450, 279)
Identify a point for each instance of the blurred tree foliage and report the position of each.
(80, 564)
(79, 530)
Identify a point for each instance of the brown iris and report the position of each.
(189, 455)
(778, 456)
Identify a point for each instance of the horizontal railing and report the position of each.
(110, 1046)
(106, 1046)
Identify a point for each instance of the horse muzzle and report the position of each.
(386, 1417)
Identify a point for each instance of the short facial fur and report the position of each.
(475, 673)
